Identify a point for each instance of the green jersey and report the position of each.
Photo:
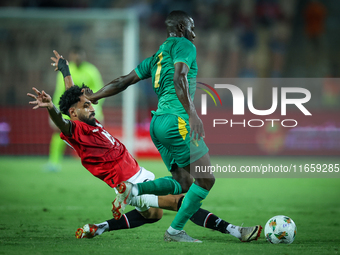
(161, 67)
(86, 73)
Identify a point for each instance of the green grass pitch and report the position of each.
(40, 211)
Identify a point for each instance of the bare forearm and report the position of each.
(182, 92)
(116, 86)
(59, 121)
(68, 82)
(110, 89)
(182, 88)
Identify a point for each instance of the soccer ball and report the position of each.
(280, 229)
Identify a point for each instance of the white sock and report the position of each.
(234, 230)
(102, 227)
(173, 231)
(145, 201)
(134, 190)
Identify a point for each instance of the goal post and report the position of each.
(131, 43)
(100, 23)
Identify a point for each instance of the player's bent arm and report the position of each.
(59, 121)
(68, 82)
(182, 91)
(182, 87)
(114, 87)
(63, 67)
(62, 84)
(43, 100)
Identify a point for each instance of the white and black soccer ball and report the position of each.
(280, 229)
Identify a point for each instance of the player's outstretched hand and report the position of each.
(42, 99)
(87, 92)
(196, 127)
(56, 60)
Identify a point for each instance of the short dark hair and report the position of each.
(176, 17)
(70, 97)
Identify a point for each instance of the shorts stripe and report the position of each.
(182, 128)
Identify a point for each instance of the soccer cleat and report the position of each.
(87, 231)
(250, 233)
(182, 236)
(122, 200)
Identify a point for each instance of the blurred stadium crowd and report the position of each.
(246, 38)
(235, 39)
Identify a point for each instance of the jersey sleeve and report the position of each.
(184, 51)
(143, 70)
(78, 129)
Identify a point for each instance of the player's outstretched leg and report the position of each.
(132, 219)
(209, 220)
(126, 190)
(197, 192)
(122, 200)
(249, 234)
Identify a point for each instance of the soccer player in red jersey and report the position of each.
(107, 158)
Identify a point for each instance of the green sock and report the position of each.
(191, 203)
(57, 148)
(161, 187)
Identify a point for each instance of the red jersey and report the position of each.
(101, 154)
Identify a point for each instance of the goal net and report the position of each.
(110, 39)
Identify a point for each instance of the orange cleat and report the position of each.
(122, 200)
(87, 231)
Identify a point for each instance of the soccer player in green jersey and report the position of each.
(175, 129)
(82, 72)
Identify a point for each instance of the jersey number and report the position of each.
(158, 71)
(108, 136)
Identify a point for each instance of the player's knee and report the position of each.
(158, 214)
(183, 177)
(185, 184)
(153, 214)
(211, 181)
(206, 183)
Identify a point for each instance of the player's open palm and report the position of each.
(56, 60)
(42, 99)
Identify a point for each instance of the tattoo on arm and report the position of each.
(59, 121)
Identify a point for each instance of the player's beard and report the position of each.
(88, 120)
